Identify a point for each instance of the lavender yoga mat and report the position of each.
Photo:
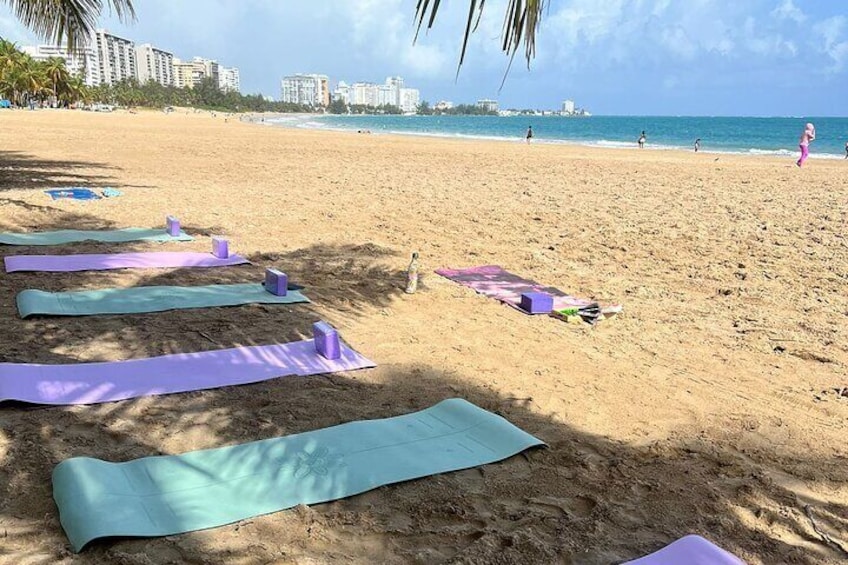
(689, 550)
(92, 383)
(107, 261)
(493, 281)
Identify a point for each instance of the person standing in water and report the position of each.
(697, 144)
(642, 139)
(529, 135)
(807, 136)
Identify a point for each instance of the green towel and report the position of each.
(73, 236)
(143, 299)
(165, 495)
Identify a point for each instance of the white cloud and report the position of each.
(786, 10)
(834, 41)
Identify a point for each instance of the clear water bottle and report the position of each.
(412, 275)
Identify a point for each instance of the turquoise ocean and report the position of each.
(756, 136)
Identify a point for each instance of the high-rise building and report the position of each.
(228, 79)
(488, 105)
(116, 57)
(409, 100)
(183, 74)
(82, 63)
(154, 64)
(568, 107)
(310, 90)
(205, 68)
(342, 92)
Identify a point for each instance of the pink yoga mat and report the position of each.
(91, 383)
(105, 262)
(492, 280)
(689, 550)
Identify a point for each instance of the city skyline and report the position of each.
(762, 57)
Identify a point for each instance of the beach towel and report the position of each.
(493, 281)
(143, 299)
(105, 262)
(689, 550)
(92, 383)
(111, 192)
(74, 193)
(166, 495)
(74, 236)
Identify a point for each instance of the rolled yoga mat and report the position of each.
(105, 262)
(73, 236)
(92, 383)
(165, 495)
(143, 299)
(689, 550)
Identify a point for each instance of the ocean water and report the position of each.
(765, 136)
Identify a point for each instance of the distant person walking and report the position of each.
(807, 136)
(846, 149)
(697, 144)
(642, 139)
(529, 135)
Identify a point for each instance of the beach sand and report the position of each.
(711, 405)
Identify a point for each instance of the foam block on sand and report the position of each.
(109, 261)
(142, 299)
(166, 495)
(689, 550)
(73, 236)
(92, 383)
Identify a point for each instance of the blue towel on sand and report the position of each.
(76, 193)
(109, 192)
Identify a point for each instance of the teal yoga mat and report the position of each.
(73, 236)
(143, 299)
(165, 495)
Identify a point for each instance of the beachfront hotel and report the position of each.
(308, 90)
(154, 64)
(568, 107)
(82, 63)
(488, 105)
(109, 59)
(392, 93)
(115, 56)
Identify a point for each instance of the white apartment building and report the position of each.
(310, 90)
(568, 107)
(116, 57)
(183, 73)
(82, 63)
(154, 64)
(228, 79)
(342, 92)
(205, 68)
(409, 100)
(487, 104)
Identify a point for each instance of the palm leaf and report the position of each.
(521, 23)
(70, 20)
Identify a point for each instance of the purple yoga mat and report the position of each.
(91, 383)
(105, 262)
(689, 550)
(492, 280)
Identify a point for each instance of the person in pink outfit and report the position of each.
(807, 136)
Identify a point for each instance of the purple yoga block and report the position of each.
(276, 282)
(173, 226)
(326, 340)
(220, 248)
(537, 303)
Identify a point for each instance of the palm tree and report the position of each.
(69, 20)
(521, 23)
(56, 73)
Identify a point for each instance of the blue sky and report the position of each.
(638, 57)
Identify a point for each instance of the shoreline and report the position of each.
(301, 121)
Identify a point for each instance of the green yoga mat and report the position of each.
(73, 236)
(165, 495)
(142, 299)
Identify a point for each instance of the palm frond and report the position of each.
(521, 23)
(71, 21)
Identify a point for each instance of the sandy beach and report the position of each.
(715, 404)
